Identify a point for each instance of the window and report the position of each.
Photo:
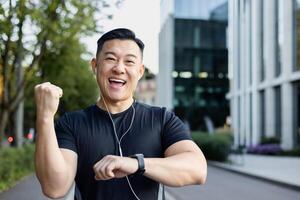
(263, 61)
(250, 118)
(297, 30)
(296, 105)
(197, 36)
(278, 112)
(262, 112)
(279, 35)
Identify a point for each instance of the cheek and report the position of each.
(134, 80)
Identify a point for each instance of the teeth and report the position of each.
(117, 80)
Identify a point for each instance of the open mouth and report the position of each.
(116, 82)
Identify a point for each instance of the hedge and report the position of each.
(15, 163)
(215, 146)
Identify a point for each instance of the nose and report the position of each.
(119, 67)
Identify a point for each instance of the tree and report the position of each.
(73, 75)
(33, 32)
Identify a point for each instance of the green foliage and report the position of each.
(293, 152)
(270, 140)
(148, 74)
(215, 146)
(15, 164)
(44, 38)
(66, 69)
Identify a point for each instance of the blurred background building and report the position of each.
(193, 64)
(263, 40)
(146, 88)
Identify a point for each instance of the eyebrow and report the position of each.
(113, 53)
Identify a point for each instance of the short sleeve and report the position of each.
(65, 134)
(174, 130)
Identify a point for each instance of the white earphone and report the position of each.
(120, 140)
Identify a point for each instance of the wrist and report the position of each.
(42, 118)
(141, 163)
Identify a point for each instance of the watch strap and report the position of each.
(141, 163)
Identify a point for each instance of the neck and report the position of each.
(114, 107)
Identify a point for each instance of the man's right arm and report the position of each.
(55, 167)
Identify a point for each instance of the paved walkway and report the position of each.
(281, 170)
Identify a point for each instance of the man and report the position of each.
(117, 149)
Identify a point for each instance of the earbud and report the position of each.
(95, 71)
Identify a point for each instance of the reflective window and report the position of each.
(197, 36)
(279, 35)
(250, 117)
(263, 38)
(278, 112)
(262, 113)
(296, 104)
(200, 71)
(297, 15)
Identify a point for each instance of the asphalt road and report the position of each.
(220, 185)
(223, 185)
(27, 189)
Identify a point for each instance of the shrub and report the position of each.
(215, 147)
(15, 164)
(266, 149)
(270, 140)
(293, 152)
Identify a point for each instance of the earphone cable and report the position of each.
(119, 140)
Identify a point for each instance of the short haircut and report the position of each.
(121, 34)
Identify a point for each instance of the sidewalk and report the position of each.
(277, 169)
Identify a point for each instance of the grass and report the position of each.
(15, 163)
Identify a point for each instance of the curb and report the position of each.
(251, 175)
(168, 196)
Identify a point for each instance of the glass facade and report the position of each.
(262, 113)
(296, 105)
(274, 39)
(263, 37)
(278, 112)
(195, 9)
(279, 35)
(296, 96)
(250, 119)
(200, 72)
(297, 30)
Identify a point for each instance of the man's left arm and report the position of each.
(183, 164)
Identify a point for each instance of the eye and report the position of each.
(110, 58)
(131, 62)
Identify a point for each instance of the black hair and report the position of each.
(122, 34)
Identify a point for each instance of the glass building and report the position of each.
(263, 46)
(192, 77)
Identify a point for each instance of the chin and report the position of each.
(118, 98)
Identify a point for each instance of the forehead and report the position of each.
(121, 47)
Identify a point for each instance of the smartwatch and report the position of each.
(141, 163)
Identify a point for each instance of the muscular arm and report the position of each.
(184, 164)
(55, 168)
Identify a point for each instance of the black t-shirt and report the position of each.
(90, 134)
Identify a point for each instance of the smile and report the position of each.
(116, 82)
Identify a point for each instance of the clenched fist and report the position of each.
(112, 166)
(47, 99)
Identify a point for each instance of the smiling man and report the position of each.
(117, 149)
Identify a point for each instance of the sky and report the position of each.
(141, 16)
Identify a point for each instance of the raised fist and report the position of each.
(47, 99)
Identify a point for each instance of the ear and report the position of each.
(94, 65)
(141, 71)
